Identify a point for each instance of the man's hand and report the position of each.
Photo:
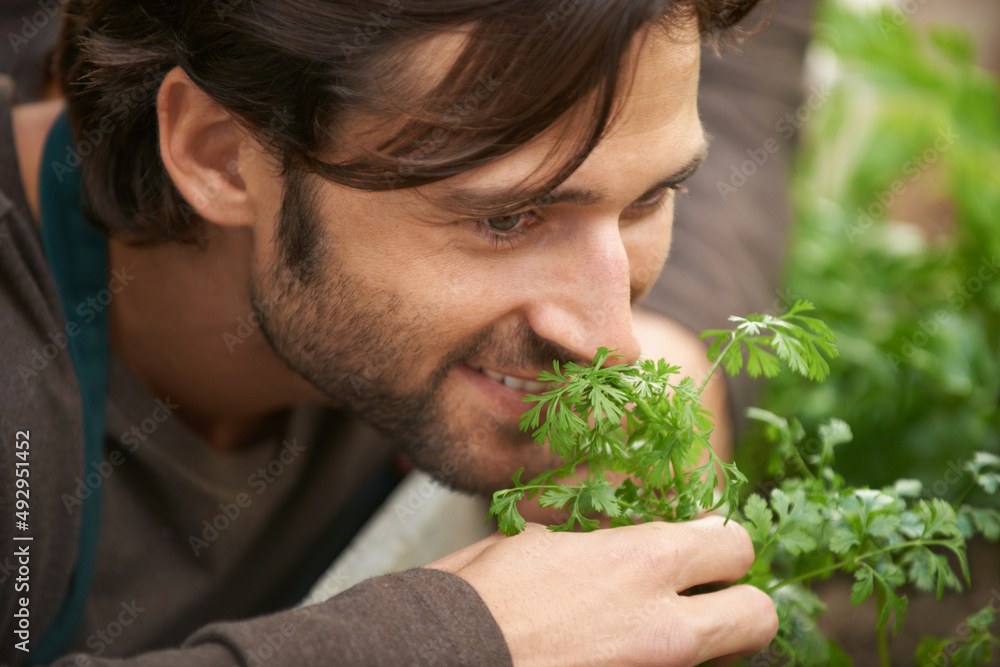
(615, 597)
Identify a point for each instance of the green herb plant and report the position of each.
(973, 647)
(639, 421)
(649, 426)
(919, 350)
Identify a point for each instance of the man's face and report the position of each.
(428, 323)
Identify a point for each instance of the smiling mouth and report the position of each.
(515, 383)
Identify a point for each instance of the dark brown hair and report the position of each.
(293, 72)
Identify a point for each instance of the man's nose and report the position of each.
(585, 302)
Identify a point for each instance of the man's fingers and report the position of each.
(682, 546)
(734, 622)
(631, 577)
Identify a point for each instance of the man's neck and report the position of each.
(181, 319)
(185, 326)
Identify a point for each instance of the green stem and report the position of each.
(802, 463)
(786, 646)
(964, 494)
(645, 409)
(882, 637)
(715, 365)
(768, 541)
(541, 487)
(838, 566)
(881, 630)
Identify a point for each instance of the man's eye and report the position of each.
(503, 223)
(506, 230)
(654, 199)
(650, 200)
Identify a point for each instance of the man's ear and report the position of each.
(200, 147)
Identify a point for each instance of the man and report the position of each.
(409, 213)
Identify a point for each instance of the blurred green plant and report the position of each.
(974, 646)
(911, 121)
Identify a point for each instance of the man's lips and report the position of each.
(514, 382)
(507, 394)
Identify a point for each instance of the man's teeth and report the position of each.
(515, 383)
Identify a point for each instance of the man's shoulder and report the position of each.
(40, 431)
(36, 370)
(37, 373)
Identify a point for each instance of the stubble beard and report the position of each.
(329, 329)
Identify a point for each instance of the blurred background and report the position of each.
(896, 193)
(896, 240)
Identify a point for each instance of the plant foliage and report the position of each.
(896, 190)
(643, 422)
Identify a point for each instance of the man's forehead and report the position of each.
(656, 120)
(658, 85)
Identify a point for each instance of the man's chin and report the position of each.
(484, 465)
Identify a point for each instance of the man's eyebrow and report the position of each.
(496, 201)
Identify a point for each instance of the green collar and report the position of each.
(78, 259)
